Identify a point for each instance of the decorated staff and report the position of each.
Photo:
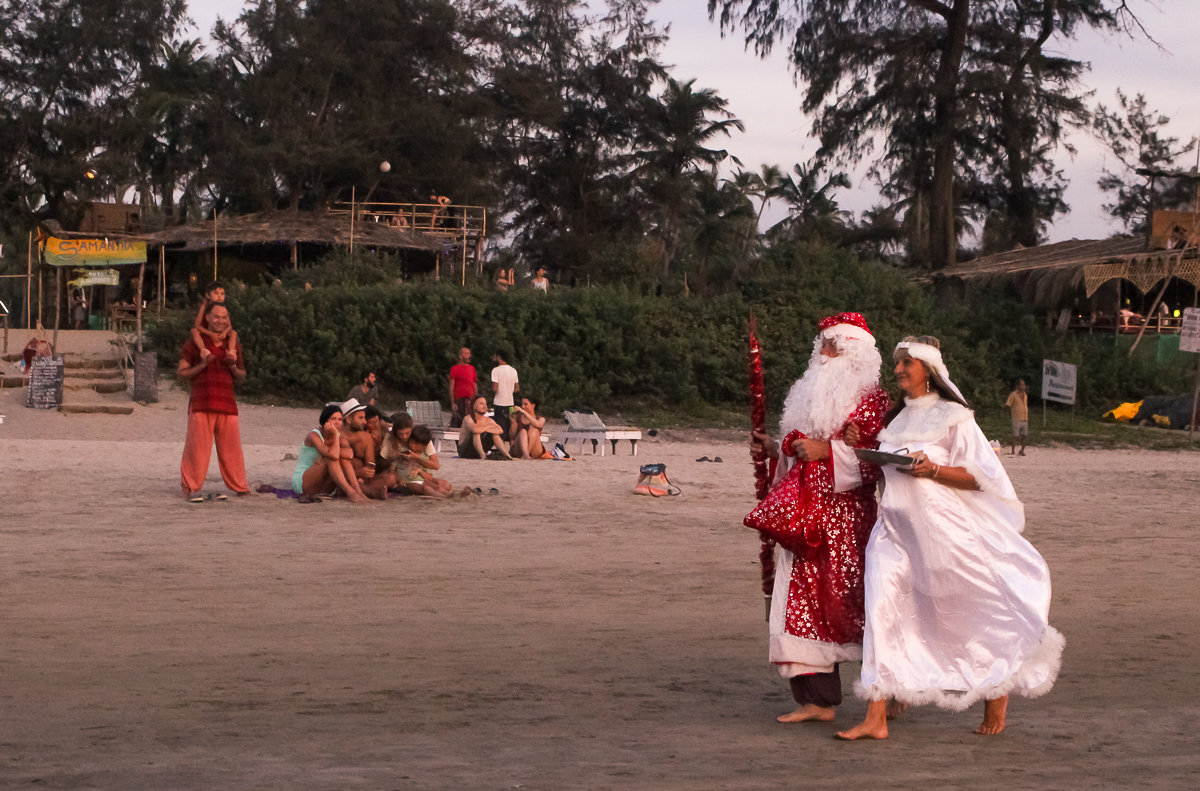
(762, 469)
(821, 512)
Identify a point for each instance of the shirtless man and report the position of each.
(479, 433)
(363, 446)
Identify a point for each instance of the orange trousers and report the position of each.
(202, 429)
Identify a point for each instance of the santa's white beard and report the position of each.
(820, 402)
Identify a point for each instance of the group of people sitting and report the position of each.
(357, 451)
(513, 432)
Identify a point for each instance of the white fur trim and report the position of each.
(847, 472)
(1034, 678)
(850, 332)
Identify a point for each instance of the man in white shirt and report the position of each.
(504, 385)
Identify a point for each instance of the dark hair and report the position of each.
(530, 399)
(329, 411)
(213, 286)
(401, 421)
(368, 373)
(502, 354)
(208, 307)
(421, 434)
(372, 411)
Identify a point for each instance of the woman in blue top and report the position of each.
(323, 465)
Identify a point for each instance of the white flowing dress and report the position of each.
(957, 602)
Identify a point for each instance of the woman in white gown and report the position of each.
(957, 602)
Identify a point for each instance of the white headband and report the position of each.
(932, 357)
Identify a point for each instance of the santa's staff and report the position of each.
(762, 469)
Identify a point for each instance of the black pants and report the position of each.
(500, 414)
(819, 689)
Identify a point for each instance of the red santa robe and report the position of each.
(826, 509)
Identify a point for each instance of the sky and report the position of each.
(762, 94)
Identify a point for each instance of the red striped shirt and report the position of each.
(212, 388)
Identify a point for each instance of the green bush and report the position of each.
(611, 346)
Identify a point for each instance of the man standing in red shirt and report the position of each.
(462, 387)
(212, 409)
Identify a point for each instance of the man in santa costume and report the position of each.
(821, 511)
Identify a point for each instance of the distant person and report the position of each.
(214, 294)
(504, 279)
(463, 378)
(213, 367)
(1018, 405)
(527, 444)
(541, 282)
(365, 392)
(480, 434)
(422, 461)
(504, 385)
(79, 309)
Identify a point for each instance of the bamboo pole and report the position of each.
(29, 283)
(137, 301)
(214, 245)
(59, 275)
(162, 278)
(1153, 308)
(353, 211)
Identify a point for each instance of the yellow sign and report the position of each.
(94, 252)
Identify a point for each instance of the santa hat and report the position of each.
(846, 326)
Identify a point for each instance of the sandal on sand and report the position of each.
(703, 458)
(493, 490)
(195, 497)
(307, 498)
(220, 498)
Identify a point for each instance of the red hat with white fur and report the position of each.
(851, 326)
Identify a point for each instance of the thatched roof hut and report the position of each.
(1049, 275)
(295, 227)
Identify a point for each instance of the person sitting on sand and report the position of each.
(480, 434)
(528, 442)
(363, 446)
(416, 467)
(214, 294)
(323, 465)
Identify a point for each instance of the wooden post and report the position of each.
(295, 259)
(40, 267)
(59, 276)
(353, 211)
(214, 244)
(29, 283)
(1153, 308)
(162, 278)
(137, 301)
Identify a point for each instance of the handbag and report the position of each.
(653, 481)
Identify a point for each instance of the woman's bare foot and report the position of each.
(873, 726)
(895, 708)
(993, 716)
(809, 712)
(357, 497)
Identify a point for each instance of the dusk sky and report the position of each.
(762, 94)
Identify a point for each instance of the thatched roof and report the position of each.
(1060, 255)
(1048, 274)
(291, 226)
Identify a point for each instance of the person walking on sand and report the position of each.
(212, 368)
(957, 601)
(1018, 405)
(820, 512)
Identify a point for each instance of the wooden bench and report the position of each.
(429, 414)
(585, 426)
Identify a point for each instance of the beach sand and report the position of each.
(563, 634)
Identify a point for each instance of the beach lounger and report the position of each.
(429, 413)
(585, 426)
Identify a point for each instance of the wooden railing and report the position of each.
(466, 226)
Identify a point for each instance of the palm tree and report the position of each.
(673, 146)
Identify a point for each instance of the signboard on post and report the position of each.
(1058, 382)
(1189, 338)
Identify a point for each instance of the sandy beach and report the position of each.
(563, 634)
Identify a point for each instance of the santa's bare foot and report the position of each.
(895, 708)
(994, 712)
(809, 712)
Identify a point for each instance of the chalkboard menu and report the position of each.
(45, 383)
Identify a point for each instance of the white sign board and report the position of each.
(1189, 339)
(1058, 382)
